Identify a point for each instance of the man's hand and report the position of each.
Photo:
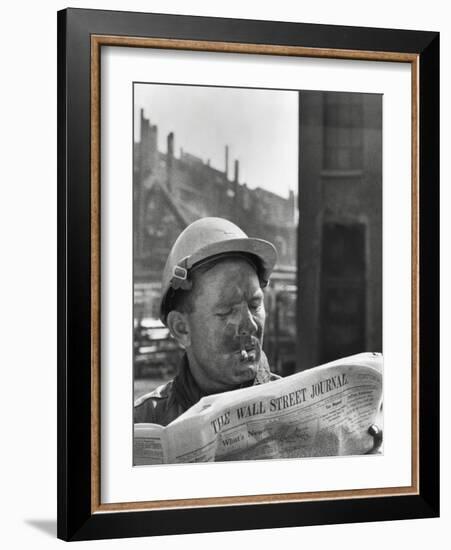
(374, 431)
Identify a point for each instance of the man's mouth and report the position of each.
(248, 353)
(249, 348)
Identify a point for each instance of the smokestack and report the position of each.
(227, 161)
(171, 144)
(143, 126)
(169, 160)
(291, 205)
(237, 170)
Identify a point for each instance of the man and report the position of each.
(212, 303)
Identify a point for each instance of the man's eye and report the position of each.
(255, 306)
(225, 313)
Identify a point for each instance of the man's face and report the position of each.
(226, 326)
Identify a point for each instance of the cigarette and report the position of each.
(243, 353)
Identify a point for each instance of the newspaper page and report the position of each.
(149, 444)
(324, 411)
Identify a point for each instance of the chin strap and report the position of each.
(179, 279)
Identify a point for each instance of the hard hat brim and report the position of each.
(263, 250)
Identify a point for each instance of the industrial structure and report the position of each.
(172, 191)
(325, 297)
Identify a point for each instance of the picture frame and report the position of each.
(81, 36)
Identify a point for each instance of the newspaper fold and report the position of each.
(324, 411)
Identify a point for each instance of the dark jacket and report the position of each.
(167, 402)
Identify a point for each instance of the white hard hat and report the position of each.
(205, 239)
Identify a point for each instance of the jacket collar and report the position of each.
(187, 392)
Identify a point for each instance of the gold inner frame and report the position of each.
(97, 41)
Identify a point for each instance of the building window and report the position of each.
(343, 138)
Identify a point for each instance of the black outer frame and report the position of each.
(75, 520)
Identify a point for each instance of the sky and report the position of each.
(259, 126)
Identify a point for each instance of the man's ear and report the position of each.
(179, 327)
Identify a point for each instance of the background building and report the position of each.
(340, 226)
(172, 191)
(325, 297)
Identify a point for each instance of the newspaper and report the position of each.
(324, 411)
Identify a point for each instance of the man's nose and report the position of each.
(248, 325)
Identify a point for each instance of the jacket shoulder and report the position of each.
(147, 406)
(162, 392)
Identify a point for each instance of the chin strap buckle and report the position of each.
(180, 277)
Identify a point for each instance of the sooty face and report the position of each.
(226, 326)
